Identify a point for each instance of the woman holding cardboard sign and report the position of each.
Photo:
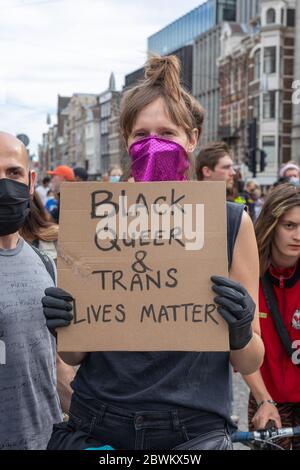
(160, 400)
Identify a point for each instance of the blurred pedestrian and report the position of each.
(115, 173)
(214, 163)
(249, 197)
(43, 189)
(61, 174)
(291, 172)
(80, 174)
(258, 201)
(51, 202)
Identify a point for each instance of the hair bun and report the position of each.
(164, 72)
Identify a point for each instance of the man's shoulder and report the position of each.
(46, 260)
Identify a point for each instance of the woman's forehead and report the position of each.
(292, 215)
(154, 113)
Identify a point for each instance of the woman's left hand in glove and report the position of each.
(237, 308)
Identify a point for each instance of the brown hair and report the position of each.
(280, 199)
(209, 156)
(37, 225)
(162, 80)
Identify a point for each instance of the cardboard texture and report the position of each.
(145, 294)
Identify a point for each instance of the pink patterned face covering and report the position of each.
(157, 159)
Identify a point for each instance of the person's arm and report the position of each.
(57, 308)
(65, 374)
(72, 358)
(245, 270)
(266, 411)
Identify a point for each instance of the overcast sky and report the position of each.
(51, 47)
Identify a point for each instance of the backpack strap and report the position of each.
(47, 262)
(272, 304)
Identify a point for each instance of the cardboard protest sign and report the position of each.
(137, 259)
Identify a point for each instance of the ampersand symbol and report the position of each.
(139, 266)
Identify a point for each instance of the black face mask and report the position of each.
(14, 205)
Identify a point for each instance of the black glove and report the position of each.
(57, 308)
(237, 308)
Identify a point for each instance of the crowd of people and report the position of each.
(47, 194)
(214, 162)
(148, 400)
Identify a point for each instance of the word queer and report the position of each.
(143, 221)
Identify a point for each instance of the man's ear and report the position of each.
(206, 172)
(32, 180)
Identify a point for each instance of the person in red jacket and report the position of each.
(275, 388)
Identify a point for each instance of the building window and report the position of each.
(290, 17)
(229, 14)
(268, 144)
(104, 126)
(257, 65)
(105, 163)
(238, 114)
(104, 144)
(256, 107)
(233, 80)
(269, 105)
(105, 109)
(270, 59)
(257, 8)
(282, 15)
(270, 16)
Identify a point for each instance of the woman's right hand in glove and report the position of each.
(57, 307)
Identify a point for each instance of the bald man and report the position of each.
(29, 404)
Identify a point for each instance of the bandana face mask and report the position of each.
(157, 159)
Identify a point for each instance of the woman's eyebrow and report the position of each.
(167, 128)
(139, 129)
(287, 221)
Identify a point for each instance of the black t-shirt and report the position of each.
(162, 380)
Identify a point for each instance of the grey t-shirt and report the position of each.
(29, 404)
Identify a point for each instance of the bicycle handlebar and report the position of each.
(264, 434)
